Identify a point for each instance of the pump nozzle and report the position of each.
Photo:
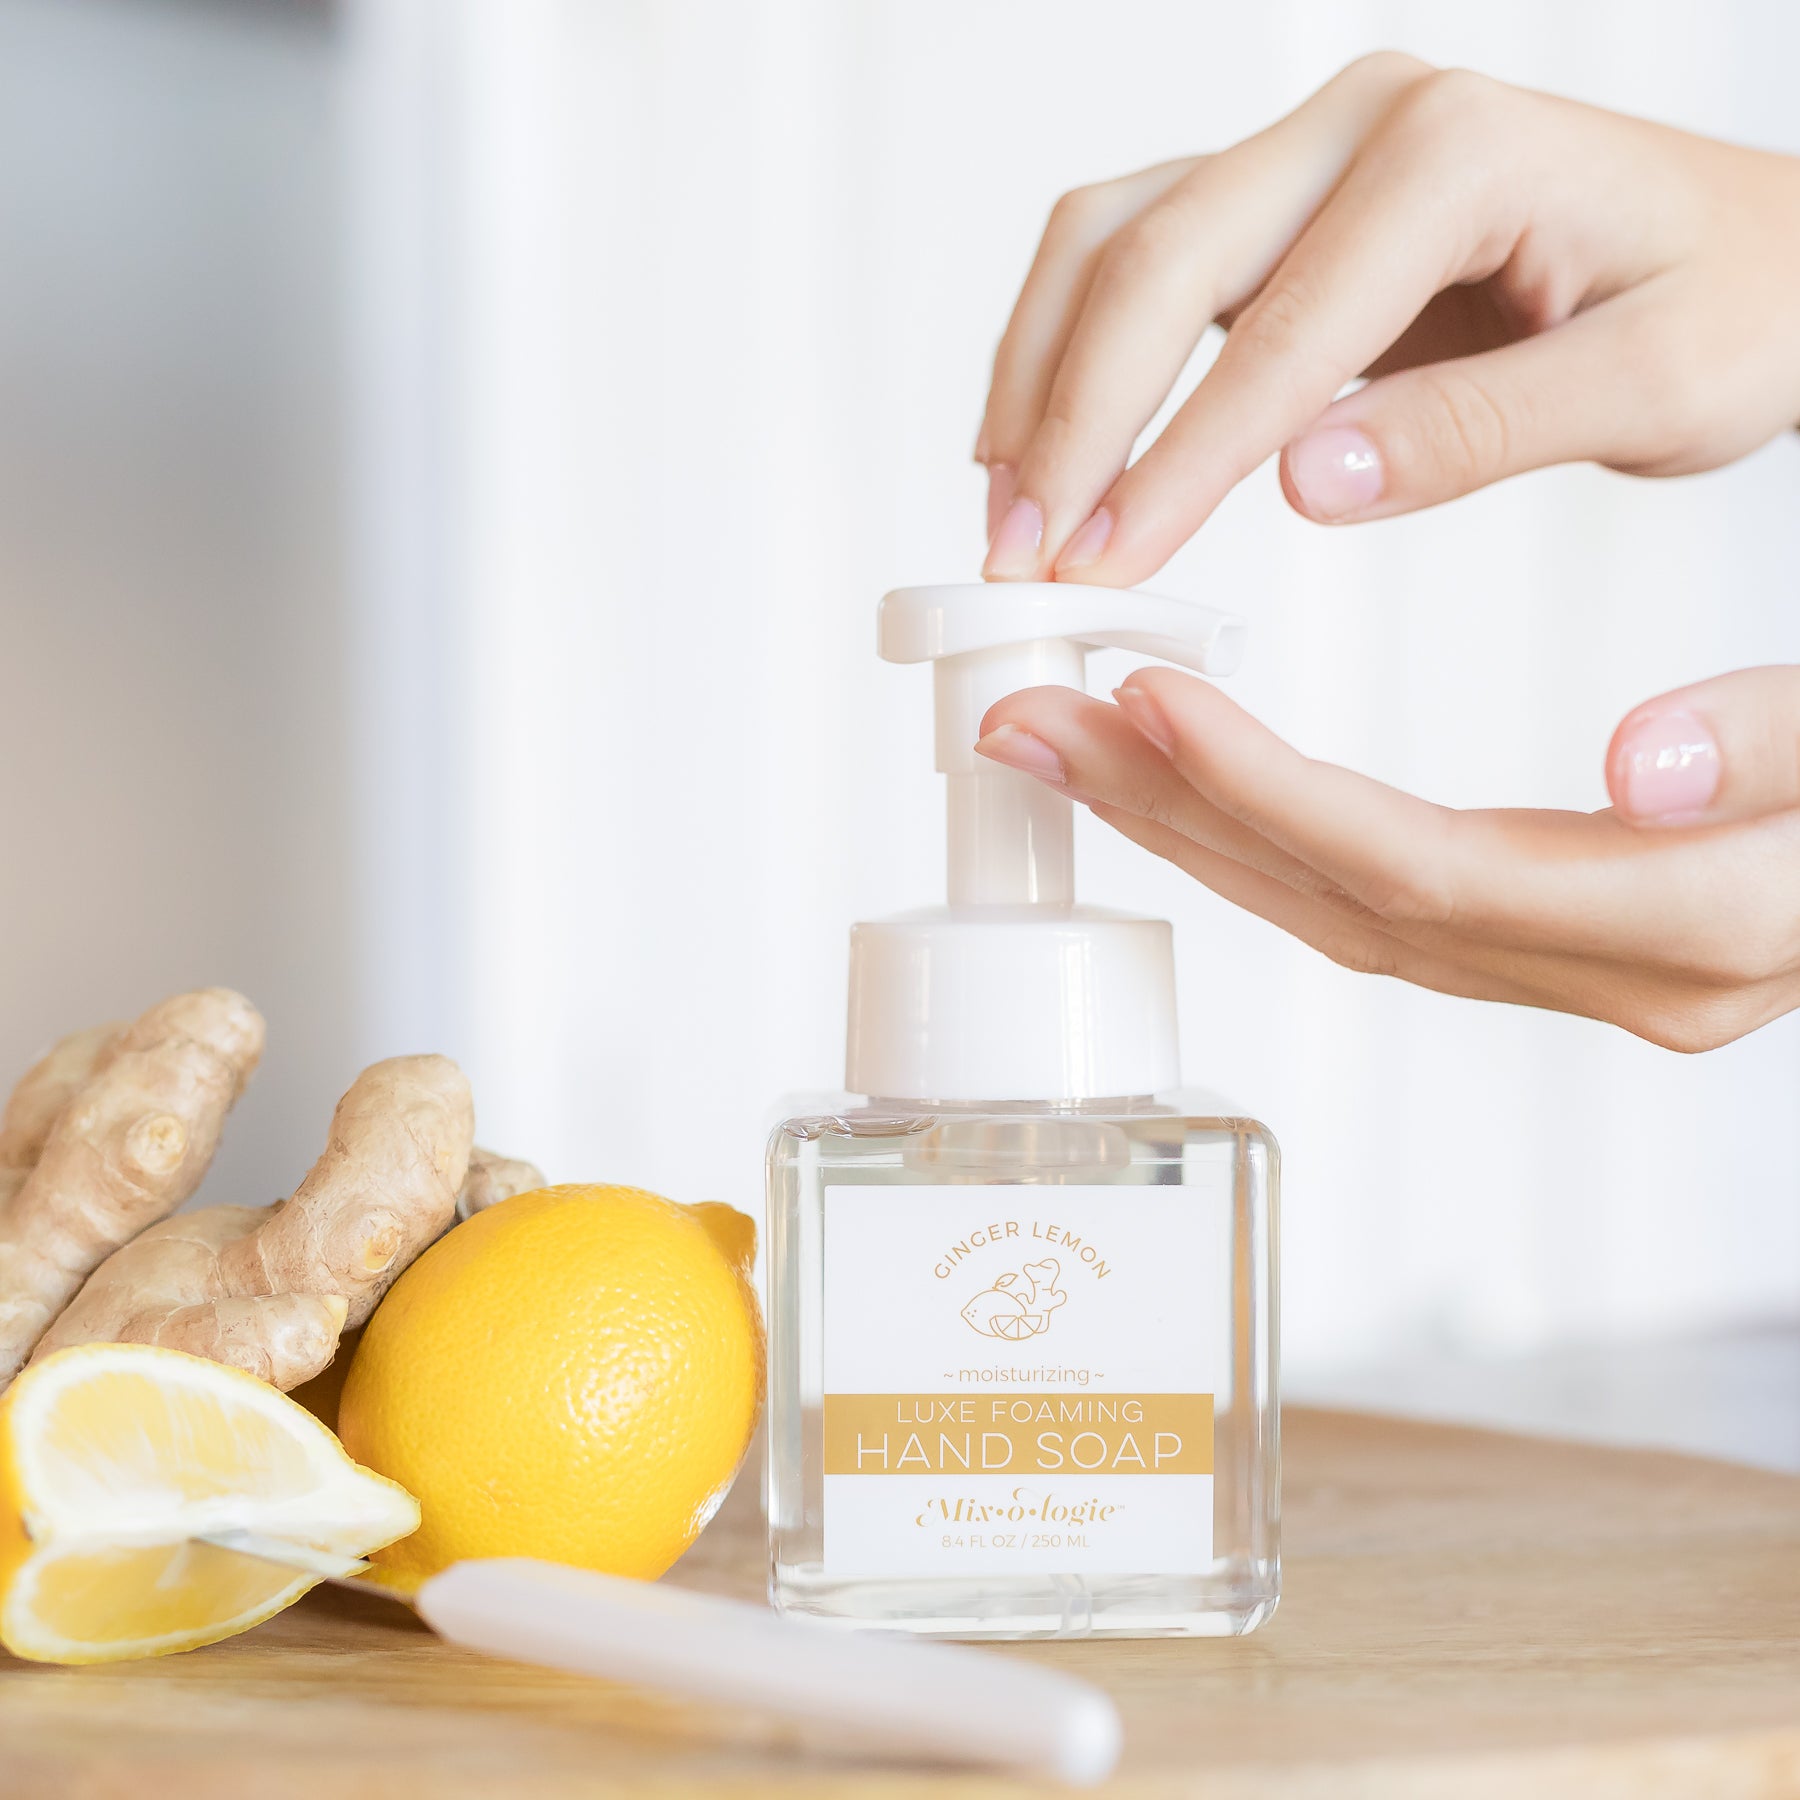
(1010, 837)
(1012, 991)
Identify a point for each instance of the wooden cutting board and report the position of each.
(1466, 1614)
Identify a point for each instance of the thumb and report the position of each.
(1728, 748)
(1433, 433)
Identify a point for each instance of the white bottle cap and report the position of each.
(1012, 991)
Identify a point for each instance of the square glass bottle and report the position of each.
(1022, 1368)
(1022, 1355)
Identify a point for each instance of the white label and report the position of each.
(1022, 1378)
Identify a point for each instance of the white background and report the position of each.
(552, 736)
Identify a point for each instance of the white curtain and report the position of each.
(673, 332)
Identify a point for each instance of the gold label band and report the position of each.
(1018, 1434)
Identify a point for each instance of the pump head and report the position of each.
(1010, 837)
(1012, 992)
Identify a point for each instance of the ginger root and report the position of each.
(44, 1090)
(109, 1133)
(270, 1289)
(493, 1178)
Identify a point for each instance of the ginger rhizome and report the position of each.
(493, 1178)
(108, 1134)
(270, 1289)
(38, 1101)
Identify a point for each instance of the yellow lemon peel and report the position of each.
(114, 1458)
(573, 1373)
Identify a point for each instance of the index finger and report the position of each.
(1081, 224)
(1429, 201)
(1195, 253)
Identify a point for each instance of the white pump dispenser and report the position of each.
(1012, 991)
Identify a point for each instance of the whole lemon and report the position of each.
(573, 1374)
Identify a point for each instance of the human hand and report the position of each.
(1675, 914)
(1525, 281)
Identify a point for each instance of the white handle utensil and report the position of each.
(927, 1700)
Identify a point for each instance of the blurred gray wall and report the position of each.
(172, 780)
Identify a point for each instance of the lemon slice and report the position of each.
(115, 1457)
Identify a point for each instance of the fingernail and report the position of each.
(1001, 479)
(1013, 553)
(1086, 545)
(1669, 768)
(1018, 749)
(1336, 472)
(1147, 716)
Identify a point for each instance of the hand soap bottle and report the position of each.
(1022, 1354)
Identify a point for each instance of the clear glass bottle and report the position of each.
(1148, 1505)
(1022, 1354)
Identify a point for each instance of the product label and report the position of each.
(1022, 1378)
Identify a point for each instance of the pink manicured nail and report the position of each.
(1018, 749)
(1001, 479)
(1336, 472)
(1013, 554)
(1147, 716)
(1668, 768)
(1087, 544)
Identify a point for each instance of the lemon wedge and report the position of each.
(114, 1458)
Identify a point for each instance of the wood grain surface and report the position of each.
(1466, 1614)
